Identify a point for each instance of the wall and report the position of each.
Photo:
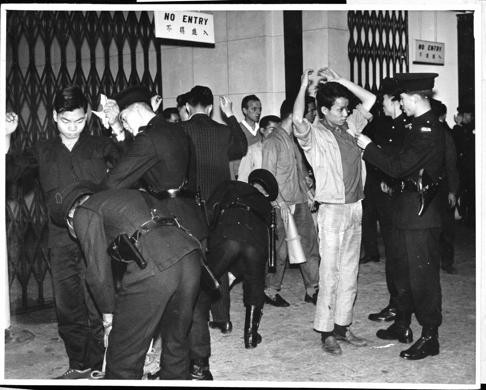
(325, 40)
(440, 26)
(248, 58)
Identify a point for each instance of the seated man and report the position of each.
(161, 287)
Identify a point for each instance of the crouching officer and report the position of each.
(240, 228)
(160, 283)
(417, 221)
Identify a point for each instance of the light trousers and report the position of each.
(339, 247)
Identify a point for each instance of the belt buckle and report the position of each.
(177, 223)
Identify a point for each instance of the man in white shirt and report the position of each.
(253, 158)
(252, 110)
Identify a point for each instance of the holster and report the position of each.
(427, 189)
(124, 249)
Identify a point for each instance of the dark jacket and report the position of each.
(107, 214)
(160, 156)
(215, 145)
(423, 147)
(388, 134)
(58, 167)
(230, 219)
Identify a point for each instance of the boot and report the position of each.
(252, 322)
(426, 345)
(200, 370)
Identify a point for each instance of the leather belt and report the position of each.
(171, 193)
(407, 186)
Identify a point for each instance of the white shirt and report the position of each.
(251, 161)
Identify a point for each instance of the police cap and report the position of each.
(414, 82)
(266, 180)
(64, 199)
(389, 86)
(130, 95)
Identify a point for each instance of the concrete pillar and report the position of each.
(325, 38)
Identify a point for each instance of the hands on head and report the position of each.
(323, 75)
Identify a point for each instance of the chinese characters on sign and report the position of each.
(184, 26)
(427, 52)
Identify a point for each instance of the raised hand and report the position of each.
(328, 74)
(11, 122)
(226, 105)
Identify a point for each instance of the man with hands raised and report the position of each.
(331, 150)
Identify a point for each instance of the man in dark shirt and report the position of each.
(417, 229)
(69, 157)
(163, 292)
(215, 145)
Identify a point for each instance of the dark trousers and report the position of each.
(145, 299)
(417, 276)
(221, 304)
(242, 260)
(378, 207)
(79, 322)
(447, 234)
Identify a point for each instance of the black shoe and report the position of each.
(223, 326)
(387, 314)
(394, 332)
(200, 370)
(368, 259)
(277, 301)
(424, 346)
(450, 269)
(311, 299)
(72, 373)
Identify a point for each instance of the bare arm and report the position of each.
(299, 106)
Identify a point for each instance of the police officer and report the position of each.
(240, 216)
(416, 233)
(239, 239)
(161, 155)
(163, 291)
(388, 134)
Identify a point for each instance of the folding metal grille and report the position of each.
(46, 51)
(378, 46)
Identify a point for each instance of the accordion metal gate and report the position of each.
(101, 52)
(378, 46)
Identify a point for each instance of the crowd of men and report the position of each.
(151, 227)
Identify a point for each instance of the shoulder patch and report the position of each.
(425, 129)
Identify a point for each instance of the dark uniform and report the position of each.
(79, 322)
(450, 185)
(417, 256)
(388, 135)
(164, 292)
(160, 157)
